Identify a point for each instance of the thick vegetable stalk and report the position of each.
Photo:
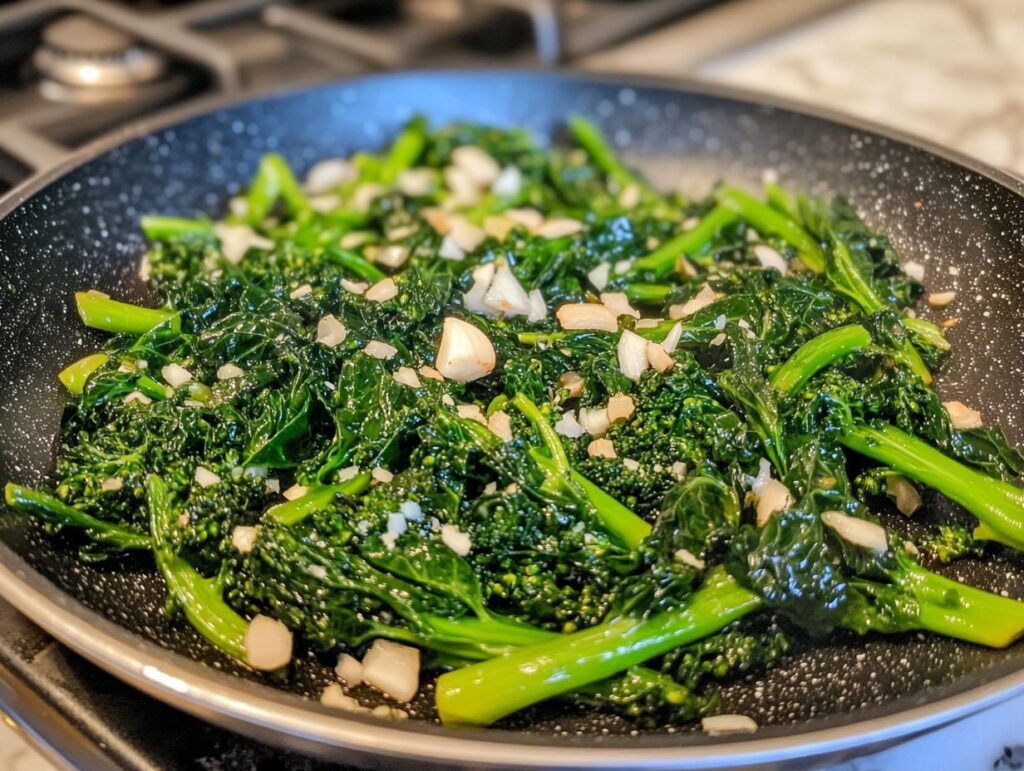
(199, 598)
(55, 511)
(690, 244)
(317, 499)
(274, 181)
(998, 504)
(956, 610)
(818, 353)
(561, 478)
(483, 693)
(75, 375)
(589, 137)
(768, 221)
(100, 312)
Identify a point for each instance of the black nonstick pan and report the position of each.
(76, 227)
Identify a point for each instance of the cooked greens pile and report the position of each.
(510, 415)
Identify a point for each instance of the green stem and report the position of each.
(997, 504)
(649, 294)
(926, 332)
(483, 693)
(818, 353)
(589, 137)
(404, 151)
(614, 516)
(55, 511)
(780, 200)
(354, 263)
(274, 181)
(199, 598)
(74, 376)
(318, 499)
(552, 441)
(770, 222)
(100, 312)
(157, 227)
(692, 243)
(956, 610)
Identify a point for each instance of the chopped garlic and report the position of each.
(702, 299)
(392, 256)
(658, 359)
(618, 303)
(914, 269)
(632, 354)
(450, 250)
(111, 485)
(859, 532)
(505, 294)
(569, 427)
(530, 219)
(573, 382)
(772, 497)
(268, 644)
(236, 240)
(382, 291)
(538, 308)
(431, 374)
(471, 412)
(243, 538)
(559, 228)
(206, 478)
(961, 416)
(407, 376)
(175, 375)
(770, 259)
(601, 448)
(381, 474)
(378, 349)
(620, 407)
(456, 540)
(328, 174)
(671, 341)
(500, 425)
(720, 725)
(904, 494)
(330, 331)
(595, 420)
(477, 164)
(393, 668)
(465, 353)
(295, 492)
(302, 291)
(941, 299)
(598, 276)
(587, 316)
(348, 473)
(229, 371)
(465, 234)
(355, 287)
(349, 669)
(416, 182)
(689, 558)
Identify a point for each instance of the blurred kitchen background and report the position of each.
(71, 70)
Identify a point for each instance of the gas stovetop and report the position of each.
(71, 70)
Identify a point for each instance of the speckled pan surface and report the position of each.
(78, 228)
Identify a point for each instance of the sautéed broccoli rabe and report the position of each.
(512, 419)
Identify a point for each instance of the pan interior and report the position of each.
(80, 231)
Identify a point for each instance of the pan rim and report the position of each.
(254, 709)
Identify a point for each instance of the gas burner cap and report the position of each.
(84, 60)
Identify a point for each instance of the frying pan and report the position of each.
(76, 227)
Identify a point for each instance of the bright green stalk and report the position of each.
(956, 610)
(927, 332)
(199, 598)
(998, 504)
(100, 312)
(482, 693)
(770, 222)
(985, 533)
(55, 511)
(274, 181)
(404, 151)
(157, 227)
(615, 517)
(692, 243)
(649, 294)
(780, 200)
(818, 353)
(589, 137)
(318, 499)
(151, 388)
(75, 375)
(846, 277)
(355, 263)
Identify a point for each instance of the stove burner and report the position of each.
(84, 61)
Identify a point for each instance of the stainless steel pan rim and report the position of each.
(266, 714)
